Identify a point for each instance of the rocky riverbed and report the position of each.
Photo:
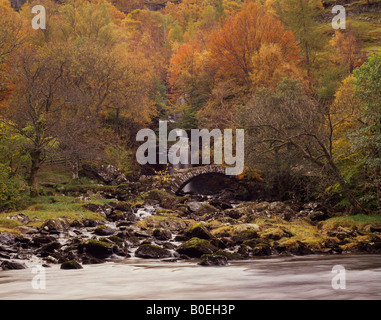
(206, 230)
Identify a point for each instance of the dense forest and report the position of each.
(307, 95)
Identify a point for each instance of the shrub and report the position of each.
(14, 193)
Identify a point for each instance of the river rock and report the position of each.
(196, 247)
(213, 260)
(205, 208)
(162, 234)
(276, 207)
(165, 199)
(42, 239)
(149, 251)
(71, 264)
(198, 230)
(193, 206)
(318, 216)
(24, 219)
(235, 213)
(54, 225)
(50, 247)
(95, 248)
(104, 231)
(7, 238)
(12, 265)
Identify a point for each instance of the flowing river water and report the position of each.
(302, 277)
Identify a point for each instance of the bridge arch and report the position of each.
(182, 177)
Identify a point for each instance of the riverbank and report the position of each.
(75, 228)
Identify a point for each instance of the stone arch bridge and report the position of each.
(181, 177)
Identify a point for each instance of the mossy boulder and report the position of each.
(196, 247)
(95, 248)
(149, 251)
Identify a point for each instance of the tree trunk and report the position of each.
(74, 168)
(35, 167)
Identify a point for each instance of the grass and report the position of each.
(44, 208)
(359, 221)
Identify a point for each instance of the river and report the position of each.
(302, 277)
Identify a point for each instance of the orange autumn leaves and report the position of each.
(250, 48)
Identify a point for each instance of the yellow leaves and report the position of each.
(345, 109)
(269, 67)
(163, 176)
(250, 174)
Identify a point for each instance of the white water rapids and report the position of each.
(307, 277)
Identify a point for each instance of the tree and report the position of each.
(232, 47)
(287, 119)
(11, 37)
(300, 17)
(347, 47)
(36, 101)
(368, 139)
